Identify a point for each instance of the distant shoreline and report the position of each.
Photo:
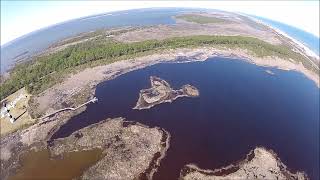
(307, 50)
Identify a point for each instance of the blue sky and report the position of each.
(21, 17)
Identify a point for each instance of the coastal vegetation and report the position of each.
(200, 19)
(45, 71)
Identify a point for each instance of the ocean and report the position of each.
(308, 39)
(27, 46)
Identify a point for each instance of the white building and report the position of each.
(5, 110)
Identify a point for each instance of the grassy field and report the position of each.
(45, 71)
(199, 19)
(19, 111)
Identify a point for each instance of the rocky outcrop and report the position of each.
(259, 164)
(161, 92)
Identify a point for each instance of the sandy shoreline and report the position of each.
(93, 76)
(306, 49)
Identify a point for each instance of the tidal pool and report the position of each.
(240, 106)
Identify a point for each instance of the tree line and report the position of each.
(43, 72)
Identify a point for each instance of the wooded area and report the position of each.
(45, 71)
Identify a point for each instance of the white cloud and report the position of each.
(304, 15)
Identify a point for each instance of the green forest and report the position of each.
(200, 19)
(45, 71)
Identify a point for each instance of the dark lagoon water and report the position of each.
(240, 107)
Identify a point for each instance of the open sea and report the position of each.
(308, 39)
(30, 44)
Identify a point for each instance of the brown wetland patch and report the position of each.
(40, 165)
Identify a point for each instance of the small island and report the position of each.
(161, 92)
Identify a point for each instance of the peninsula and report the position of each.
(161, 92)
(125, 150)
(260, 163)
(130, 150)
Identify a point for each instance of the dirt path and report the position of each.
(93, 100)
